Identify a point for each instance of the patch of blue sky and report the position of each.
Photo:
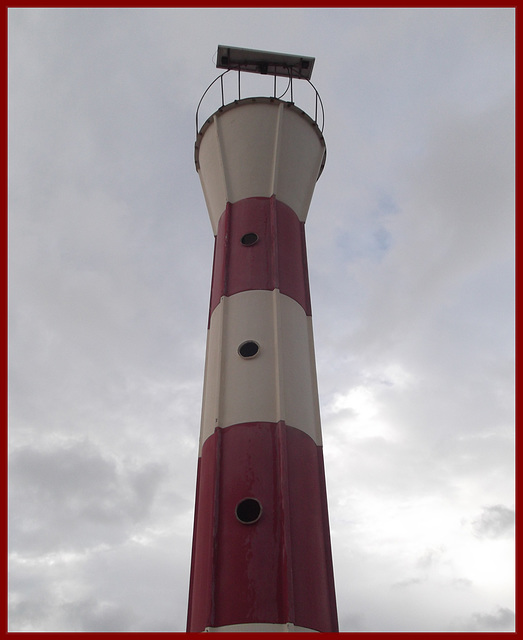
(370, 240)
(383, 240)
(362, 244)
(386, 206)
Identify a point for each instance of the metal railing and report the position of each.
(319, 113)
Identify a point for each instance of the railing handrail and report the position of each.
(318, 99)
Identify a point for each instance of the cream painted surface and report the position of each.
(215, 186)
(299, 155)
(261, 627)
(259, 148)
(279, 383)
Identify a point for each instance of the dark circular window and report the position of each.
(248, 349)
(249, 239)
(248, 510)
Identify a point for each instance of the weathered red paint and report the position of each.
(277, 261)
(278, 569)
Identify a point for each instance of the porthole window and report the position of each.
(248, 510)
(248, 349)
(249, 239)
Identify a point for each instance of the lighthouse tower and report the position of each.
(261, 557)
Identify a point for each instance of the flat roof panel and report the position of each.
(265, 62)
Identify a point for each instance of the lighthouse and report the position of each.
(261, 554)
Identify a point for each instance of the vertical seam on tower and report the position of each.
(286, 577)
(218, 417)
(220, 156)
(278, 358)
(275, 163)
(226, 248)
(214, 277)
(216, 516)
(275, 242)
(278, 374)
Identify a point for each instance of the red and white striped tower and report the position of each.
(261, 558)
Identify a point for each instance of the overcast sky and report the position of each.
(411, 258)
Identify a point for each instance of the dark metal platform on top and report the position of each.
(265, 62)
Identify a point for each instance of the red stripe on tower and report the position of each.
(277, 569)
(260, 245)
(261, 558)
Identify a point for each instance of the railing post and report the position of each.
(317, 107)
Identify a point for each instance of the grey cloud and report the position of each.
(58, 614)
(502, 620)
(124, 586)
(74, 497)
(429, 558)
(495, 521)
(92, 615)
(30, 611)
(462, 583)
(409, 582)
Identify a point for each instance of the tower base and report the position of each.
(261, 627)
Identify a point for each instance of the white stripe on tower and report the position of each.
(279, 383)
